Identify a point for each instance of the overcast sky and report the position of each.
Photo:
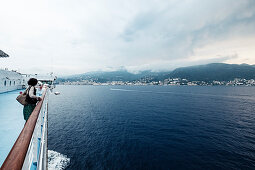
(77, 36)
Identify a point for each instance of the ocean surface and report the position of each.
(153, 127)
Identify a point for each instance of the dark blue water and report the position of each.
(154, 127)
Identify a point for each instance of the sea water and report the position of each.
(153, 127)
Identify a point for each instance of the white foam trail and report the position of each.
(57, 161)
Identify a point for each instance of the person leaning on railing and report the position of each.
(31, 98)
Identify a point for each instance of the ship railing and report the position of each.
(30, 149)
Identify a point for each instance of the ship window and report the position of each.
(14, 83)
(10, 83)
(5, 83)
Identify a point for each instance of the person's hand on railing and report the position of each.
(39, 98)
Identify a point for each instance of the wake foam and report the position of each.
(57, 161)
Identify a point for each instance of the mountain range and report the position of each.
(207, 73)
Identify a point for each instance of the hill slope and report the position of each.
(208, 73)
(215, 71)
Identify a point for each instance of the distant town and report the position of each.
(166, 82)
(214, 74)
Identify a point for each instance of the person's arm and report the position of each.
(31, 94)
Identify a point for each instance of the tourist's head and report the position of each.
(32, 81)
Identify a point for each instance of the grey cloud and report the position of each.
(106, 34)
(139, 23)
(176, 36)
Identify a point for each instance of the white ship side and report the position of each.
(10, 80)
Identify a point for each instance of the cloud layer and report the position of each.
(69, 37)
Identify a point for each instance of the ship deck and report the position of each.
(11, 122)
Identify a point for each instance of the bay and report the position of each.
(153, 127)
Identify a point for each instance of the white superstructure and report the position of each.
(10, 80)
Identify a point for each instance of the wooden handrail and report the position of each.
(17, 155)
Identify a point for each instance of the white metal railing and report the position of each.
(36, 157)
